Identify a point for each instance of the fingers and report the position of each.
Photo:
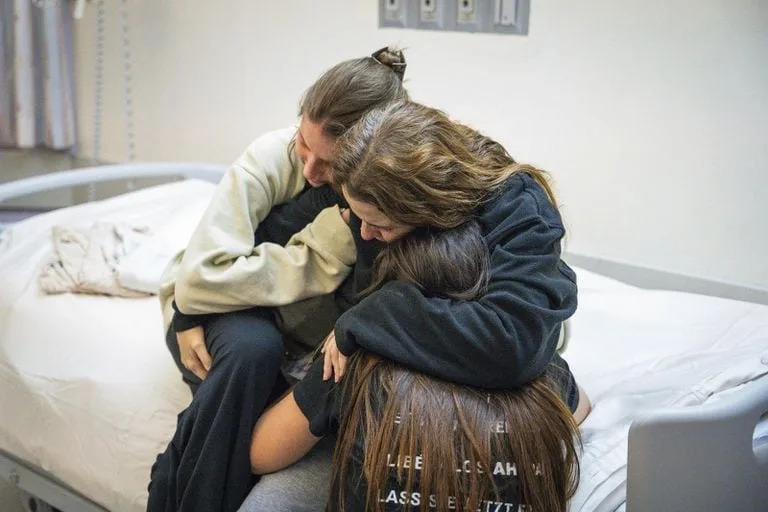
(193, 354)
(334, 362)
(193, 364)
(340, 365)
(197, 368)
(200, 361)
(327, 365)
(203, 356)
(327, 356)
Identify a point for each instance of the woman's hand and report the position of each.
(334, 362)
(194, 355)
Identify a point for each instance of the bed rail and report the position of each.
(712, 457)
(44, 486)
(89, 175)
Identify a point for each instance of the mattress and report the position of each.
(89, 393)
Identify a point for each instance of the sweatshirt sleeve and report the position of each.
(181, 322)
(501, 340)
(222, 271)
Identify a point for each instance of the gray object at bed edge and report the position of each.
(708, 457)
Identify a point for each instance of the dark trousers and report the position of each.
(206, 466)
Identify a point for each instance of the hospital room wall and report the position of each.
(651, 116)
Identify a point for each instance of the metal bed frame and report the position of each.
(682, 459)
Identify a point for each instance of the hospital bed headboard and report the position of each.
(657, 279)
(119, 172)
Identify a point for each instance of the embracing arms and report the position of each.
(223, 269)
(501, 340)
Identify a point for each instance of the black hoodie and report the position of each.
(505, 338)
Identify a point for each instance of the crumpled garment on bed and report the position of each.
(86, 258)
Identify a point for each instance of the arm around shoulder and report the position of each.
(502, 339)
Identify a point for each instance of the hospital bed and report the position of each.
(89, 394)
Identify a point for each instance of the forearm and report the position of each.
(280, 437)
(500, 341)
(182, 322)
(314, 262)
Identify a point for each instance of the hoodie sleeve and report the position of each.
(503, 339)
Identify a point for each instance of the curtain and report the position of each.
(36, 74)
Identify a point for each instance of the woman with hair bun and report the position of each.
(252, 251)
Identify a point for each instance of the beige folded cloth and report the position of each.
(85, 258)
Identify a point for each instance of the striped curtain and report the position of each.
(36, 82)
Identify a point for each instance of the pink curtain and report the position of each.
(36, 74)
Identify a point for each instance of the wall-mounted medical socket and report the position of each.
(472, 15)
(433, 14)
(394, 13)
(511, 16)
(496, 16)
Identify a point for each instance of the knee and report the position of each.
(251, 349)
(584, 407)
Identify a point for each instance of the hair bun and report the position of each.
(392, 58)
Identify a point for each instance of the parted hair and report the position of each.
(421, 168)
(348, 90)
(462, 272)
(398, 412)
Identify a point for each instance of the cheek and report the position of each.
(301, 152)
(325, 173)
(391, 236)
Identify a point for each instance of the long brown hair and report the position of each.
(422, 169)
(398, 412)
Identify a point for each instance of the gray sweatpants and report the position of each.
(302, 487)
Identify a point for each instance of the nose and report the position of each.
(314, 171)
(310, 169)
(366, 231)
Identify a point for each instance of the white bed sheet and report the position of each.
(89, 393)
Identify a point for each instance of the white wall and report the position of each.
(651, 116)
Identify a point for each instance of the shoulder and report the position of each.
(272, 150)
(522, 204)
(270, 164)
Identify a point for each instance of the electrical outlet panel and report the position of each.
(432, 14)
(393, 13)
(471, 15)
(494, 16)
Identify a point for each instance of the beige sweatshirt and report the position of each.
(222, 271)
